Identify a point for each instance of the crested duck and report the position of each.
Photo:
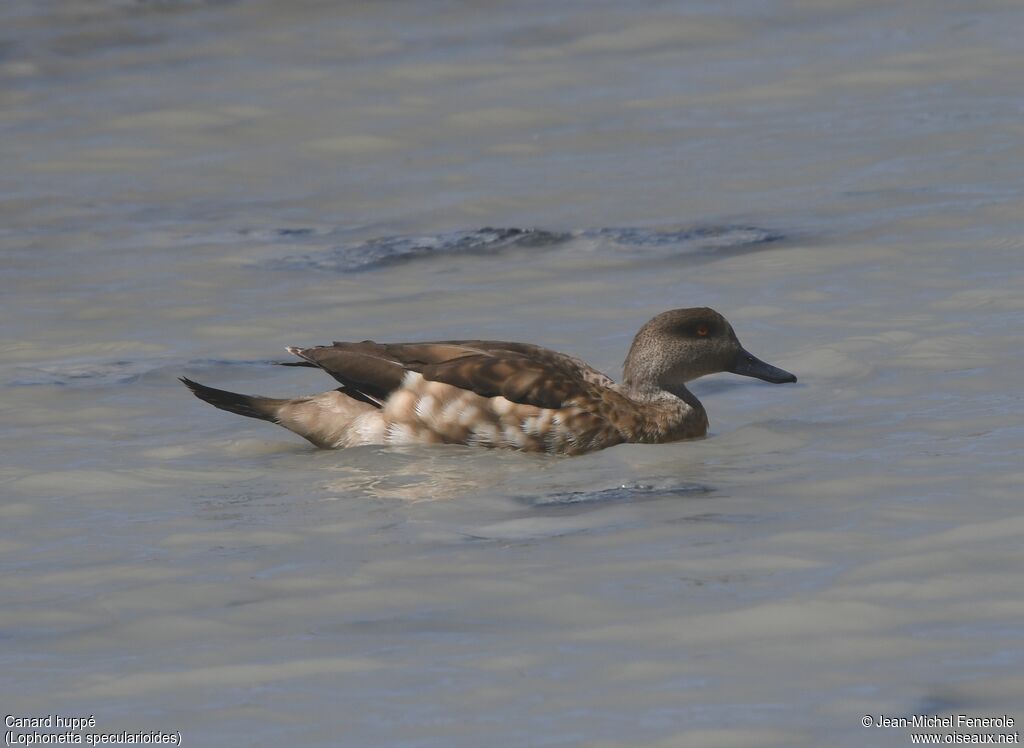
(515, 395)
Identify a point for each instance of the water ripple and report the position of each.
(387, 251)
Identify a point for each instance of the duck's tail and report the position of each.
(264, 408)
(328, 420)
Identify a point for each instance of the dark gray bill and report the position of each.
(749, 365)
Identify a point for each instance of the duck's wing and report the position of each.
(542, 355)
(363, 374)
(519, 372)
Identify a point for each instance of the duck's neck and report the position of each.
(675, 413)
(647, 391)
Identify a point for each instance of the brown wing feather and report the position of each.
(415, 356)
(540, 355)
(360, 372)
(515, 378)
(520, 372)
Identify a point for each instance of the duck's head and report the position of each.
(682, 344)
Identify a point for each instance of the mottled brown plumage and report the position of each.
(502, 394)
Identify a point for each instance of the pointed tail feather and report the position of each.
(264, 408)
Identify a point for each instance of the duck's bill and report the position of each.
(749, 365)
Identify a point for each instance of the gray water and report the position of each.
(187, 187)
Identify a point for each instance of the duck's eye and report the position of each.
(702, 331)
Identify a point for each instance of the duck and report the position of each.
(501, 394)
